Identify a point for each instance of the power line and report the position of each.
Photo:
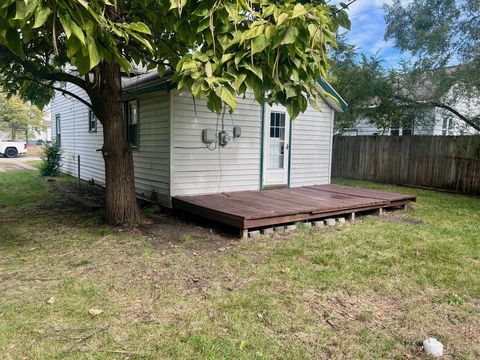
(346, 6)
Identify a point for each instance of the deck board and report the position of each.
(249, 209)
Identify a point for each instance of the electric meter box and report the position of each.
(208, 136)
(223, 138)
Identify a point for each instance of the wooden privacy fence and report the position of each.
(442, 162)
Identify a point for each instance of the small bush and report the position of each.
(52, 159)
(149, 212)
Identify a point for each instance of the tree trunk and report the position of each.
(121, 202)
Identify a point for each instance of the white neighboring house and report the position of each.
(435, 121)
(168, 130)
(38, 135)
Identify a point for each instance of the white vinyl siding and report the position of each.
(197, 170)
(151, 158)
(171, 158)
(311, 147)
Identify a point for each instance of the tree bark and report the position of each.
(121, 201)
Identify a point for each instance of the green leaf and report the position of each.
(282, 18)
(298, 10)
(66, 25)
(73, 46)
(226, 57)
(239, 56)
(84, 3)
(268, 11)
(227, 96)
(196, 88)
(14, 43)
(254, 69)
(82, 63)
(78, 32)
(259, 44)
(140, 27)
(253, 32)
(204, 24)
(21, 10)
(343, 20)
(41, 17)
(239, 81)
(189, 65)
(233, 12)
(214, 103)
(290, 91)
(95, 53)
(70, 27)
(208, 69)
(290, 36)
(256, 86)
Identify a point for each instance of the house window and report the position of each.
(448, 124)
(58, 133)
(132, 123)
(395, 129)
(92, 122)
(407, 132)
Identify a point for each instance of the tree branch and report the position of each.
(473, 122)
(61, 90)
(44, 73)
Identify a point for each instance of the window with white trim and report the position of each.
(92, 121)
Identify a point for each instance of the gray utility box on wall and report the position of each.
(208, 136)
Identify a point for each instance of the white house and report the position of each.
(177, 142)
(432, 121)
(436, 121)
(37, 135)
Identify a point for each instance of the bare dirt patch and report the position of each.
(197, 235)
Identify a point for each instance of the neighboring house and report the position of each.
(436, 121)
(433, 120)
(37, 135)
(176, 147)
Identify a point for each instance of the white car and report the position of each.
(11, 149)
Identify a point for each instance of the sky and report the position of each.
(368, 29)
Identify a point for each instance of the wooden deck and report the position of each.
(256, 209)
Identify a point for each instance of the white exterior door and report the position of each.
(276, 146)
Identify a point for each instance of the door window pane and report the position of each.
(276, 158)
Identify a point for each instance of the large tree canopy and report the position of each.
(219, 48)
(443, 38)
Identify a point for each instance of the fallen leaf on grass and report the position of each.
(51, 300)
(95, 312)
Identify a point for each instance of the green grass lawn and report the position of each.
(371, 289)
